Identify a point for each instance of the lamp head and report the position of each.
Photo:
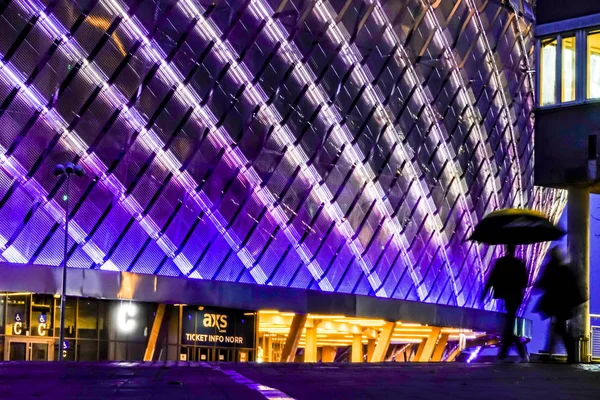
(79, 171)
(69, 167)
(59, 169)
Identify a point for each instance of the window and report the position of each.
(548, 72)
(593, 65)
(568, 69)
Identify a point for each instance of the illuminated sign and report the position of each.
(218, 327)
(215, 321)
(126, 317)
(201, 337)
(42, 327)
(18, 326)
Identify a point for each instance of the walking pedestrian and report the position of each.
(560, 295)
(507, 282)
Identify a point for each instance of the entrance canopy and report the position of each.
(159, 289)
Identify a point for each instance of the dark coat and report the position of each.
(561, 293)
(508, 279)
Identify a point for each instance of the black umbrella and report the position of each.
(515, 226)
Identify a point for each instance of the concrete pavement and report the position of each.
(174, 381)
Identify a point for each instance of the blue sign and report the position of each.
(18, 317)
(42, 319)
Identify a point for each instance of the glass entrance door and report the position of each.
(28, 349)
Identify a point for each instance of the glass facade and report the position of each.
(99, 330)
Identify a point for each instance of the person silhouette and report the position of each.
(560, 295)
(507, 282)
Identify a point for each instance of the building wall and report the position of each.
(332, 146)
(548, 11)
(562, 142)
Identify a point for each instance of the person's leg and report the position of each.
(561, 329)
(552, 332)
(508, 335)
(512, 308)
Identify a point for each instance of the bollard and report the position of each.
(582, 353)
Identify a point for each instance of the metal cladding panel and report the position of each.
(337, 146)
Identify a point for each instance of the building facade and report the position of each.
(340, 151)
(568, 48)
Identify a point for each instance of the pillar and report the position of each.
(156, 325)
(383, 343)
(310, 348)
(429, 345)
(328, 354)
(438, 352)
(578, 223)
(400, 356)
(370, 349)
(268, 349)
(420, 350)
(357, 349)
(293, 338)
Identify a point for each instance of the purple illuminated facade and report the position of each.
(336, 146)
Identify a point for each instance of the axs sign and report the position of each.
(218, 321)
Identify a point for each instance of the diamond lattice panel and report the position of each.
(346, 146)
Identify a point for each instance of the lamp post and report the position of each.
(65, 170)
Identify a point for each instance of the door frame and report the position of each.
(28, 340)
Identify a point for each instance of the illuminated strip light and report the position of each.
(234, 156)
(458, 81)
(283, 134)
(504, 106)
(281, 37)
(36, 191)
(317, 97)
(412, 77)
(438, 130)
(286, 138)
(152, 143)
(95, 165)
(370, 93)
(530, 250)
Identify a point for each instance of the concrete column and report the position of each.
(578, 209)
(291, 343)
(310, 349)
(268, 350)
(370, 349)
(429, 345)
(357, 349)
(383, 343)
(438, 352)
(156, 325)
(420, 349)
(401, 355)
(328, 354)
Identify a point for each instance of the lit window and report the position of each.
(548, 72)
(593, 66)
(568, 69)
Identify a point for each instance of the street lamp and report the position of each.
(65, 170)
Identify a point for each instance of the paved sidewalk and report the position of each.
(174, 381)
